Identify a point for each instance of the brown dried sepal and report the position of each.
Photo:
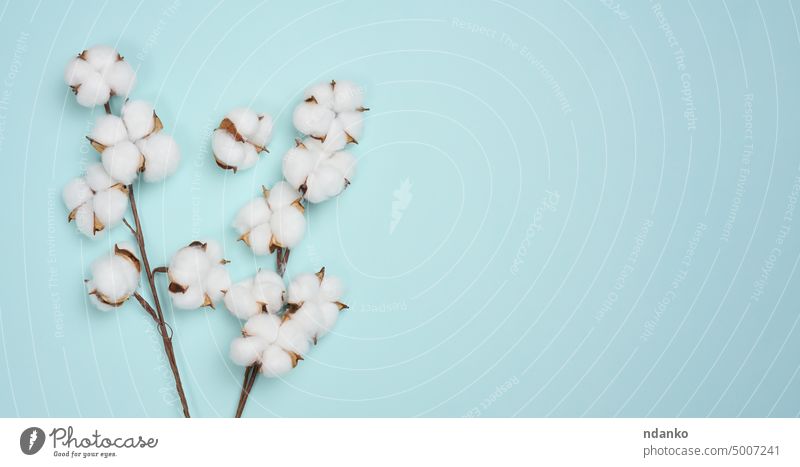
(107, 301)
(227, 125)
(96, 145)
(128, 255)
(298, 204)
(224, 166)
(341, 306)
(274, 244)
(157, 124)
(320, 274)
(174, 287)
(295, 358)
(198, 244)
(207, 302)
(291, 308)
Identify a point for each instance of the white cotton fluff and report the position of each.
(76, 192)
(122, 161)
(242, 134)
(275, 219)
(263, 293)
(139, 118)
(197, 275)
(98, 73)
(269, 290)
(323, 173)
(332, 113)
(161, 156)
(276, 362)
(239, 300)
(95, 201)
(109, 206)
(317, 296)
(264, 326)
(115, 277)
(246, 350)
(109, 130)
(93, 91)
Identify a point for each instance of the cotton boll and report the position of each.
(331, 289)
(265, 326)
(344, 163)
(139, 118)
(304, 287)
(227, 150)
(281, 195)
(275, 362)
(217, 282)
(122, 161)
(322, 94)
(246, 350)
(101, 57)
(93, 91)
(288, 225)
(77, 71)
(263, 132)
(109, 130)
(255, 212)
(347, 96)
(297, 164)
(190, 299)
(161, 154)
(240, 302)
(189, 266)
(245, 120)
(76, 192)
(312, 119)
(120, 77)
(259, 239)
(292, 338)
(84, 219)
(109, 206)
(111, 280)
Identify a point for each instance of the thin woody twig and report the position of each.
(165, 337)
(146, 306)
(133, 231)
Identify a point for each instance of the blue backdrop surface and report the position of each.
(562, 208)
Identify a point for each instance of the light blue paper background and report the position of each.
(536, 141)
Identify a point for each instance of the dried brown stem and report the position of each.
(250, 375)
(159, 314)
(107, 106)
(146, 306)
